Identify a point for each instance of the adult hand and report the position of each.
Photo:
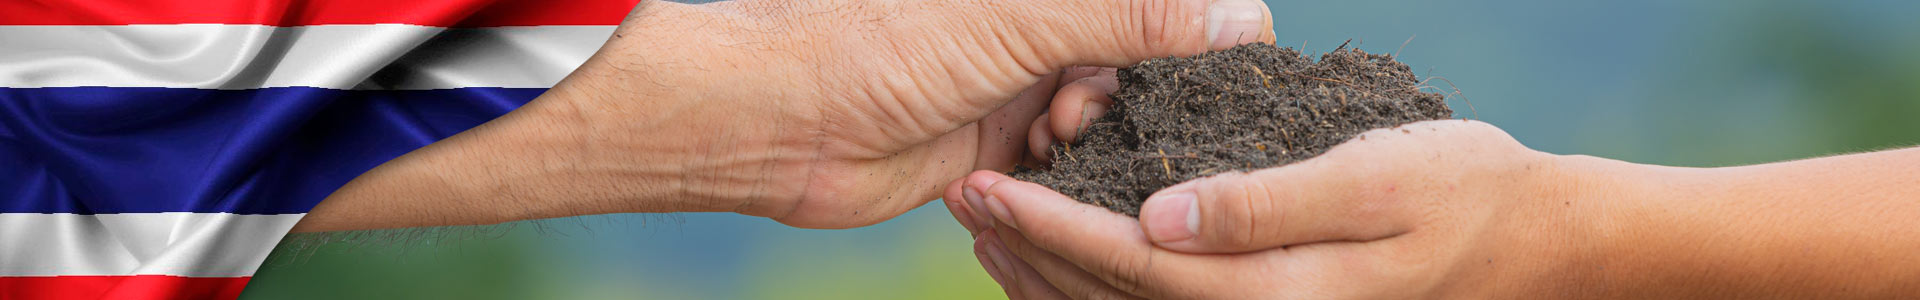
(1437, 208)
(1458, 209)
(822, 114)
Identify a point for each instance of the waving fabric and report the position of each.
(159, 149)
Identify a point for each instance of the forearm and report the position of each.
(640, 127)
(521, 166)
(1835, 226)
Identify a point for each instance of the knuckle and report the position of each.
(1170, 26)
(1264, 212)
(1126, 276)
(1492, 133)
(1233, 212)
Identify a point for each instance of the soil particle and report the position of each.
(1250, 107)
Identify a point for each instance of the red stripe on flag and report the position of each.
(121, 287)
(439, 13)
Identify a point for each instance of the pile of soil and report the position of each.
(1250, 107)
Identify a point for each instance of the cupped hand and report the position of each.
(844, 113)
(1430, 209)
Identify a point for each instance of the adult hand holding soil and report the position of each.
(1458, 209)
(823, 114)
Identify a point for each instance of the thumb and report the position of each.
(1302, 203)
(1060, 33)
(930, 67)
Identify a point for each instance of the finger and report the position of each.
(982, 251)
(1106, 244)
(1080, 102)
(1040, 140)
(1026, 283)
(973, 203)
(1003, 132)
(954, 198)
(1062, 275)
(1307, 202)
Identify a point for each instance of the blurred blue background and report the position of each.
(1695, 83)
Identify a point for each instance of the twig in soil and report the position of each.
(1166, 164)
(1326, 79)
(1263, 75)
(1069, 152)
(1463, 95)
(1318, 78)
(1285, 140)
(1167, 156)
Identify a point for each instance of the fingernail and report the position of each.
(1000, 211)
(1172, 215)
(965, 217)
(998, 253)
(980, 214)
(1232, 22)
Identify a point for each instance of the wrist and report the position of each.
(1594, 202)
(501, 171)
(667, 128)
(1545, 238)
(542, 161)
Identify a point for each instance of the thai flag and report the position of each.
(158, 149)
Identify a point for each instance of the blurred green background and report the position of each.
(1696, 83)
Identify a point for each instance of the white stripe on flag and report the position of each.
(178, 244)
(218, 56)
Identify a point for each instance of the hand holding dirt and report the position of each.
(1405, 212)
(1246, 108)
(821, 114)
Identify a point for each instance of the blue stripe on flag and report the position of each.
(100, 150)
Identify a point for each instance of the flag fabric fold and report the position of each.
(159, 149)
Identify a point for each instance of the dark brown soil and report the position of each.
(1250, 107)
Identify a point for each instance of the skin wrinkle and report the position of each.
(1011, 44)
(1261, 191)
(990, 76)
(982, 61)
(888, 100)
(894, 111)
(955, 110)
(1144, 271)
(1076, 27)
(880, 94)
(758, 187)
(1154, 21)
(927, 127)
(812, 166)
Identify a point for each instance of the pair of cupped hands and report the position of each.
(845, 113)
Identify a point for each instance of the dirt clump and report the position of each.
(1250, 107)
